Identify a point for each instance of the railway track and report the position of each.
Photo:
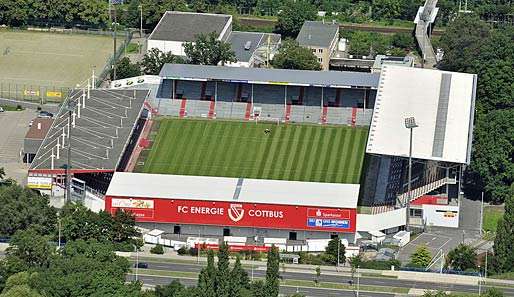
(249, 21)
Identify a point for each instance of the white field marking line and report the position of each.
(48, 82)
(35, 53)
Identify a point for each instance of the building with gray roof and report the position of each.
(177, 27)
(102, 124)
(253, 49)
(321, 38)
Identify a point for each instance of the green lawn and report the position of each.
(34, 63)
(242, 149)
(491, 216)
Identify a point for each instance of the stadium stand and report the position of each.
(105, 126)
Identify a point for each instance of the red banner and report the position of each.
(252, 215)
(235, 248)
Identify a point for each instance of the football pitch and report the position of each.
(243, 149)
(29, 60)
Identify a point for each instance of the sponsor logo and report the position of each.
(236, 212)
(328, 223)
(132, 203)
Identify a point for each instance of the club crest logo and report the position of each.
(236, 212)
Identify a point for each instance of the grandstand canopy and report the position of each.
(442, 104)
(335, 79)
(144, 185)
(100, 131)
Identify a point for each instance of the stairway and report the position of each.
(418, 192)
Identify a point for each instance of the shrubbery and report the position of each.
(157, 249)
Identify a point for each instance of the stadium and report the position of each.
(268, 154)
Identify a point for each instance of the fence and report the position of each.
(44, 94)
(33, 93)
(112, 59)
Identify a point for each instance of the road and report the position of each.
(370, 281)
(318, 292)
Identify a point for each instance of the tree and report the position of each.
(386, 9)
(157, 249)
(154, 59)
(503, 260)
(17, 285)
(462, 41)
(208, 50)
(294, 13)
(175, 288)
(421, 257)
(79, 222)
(223, 280)
(239, 279)
(463, 257)
(403, 41)
(125, 69)
(272, 273)
(293, 56)
(30, 247)
(332, 250)
(492, 166)
(37, 213)
(207, 277)
(85, 268)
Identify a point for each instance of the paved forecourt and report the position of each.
(264, 150)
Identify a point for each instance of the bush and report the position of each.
(182, 251)
(157, 249)
(124, 246)
(380, 265)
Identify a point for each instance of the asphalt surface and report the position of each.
(14, 125)
(260, 272)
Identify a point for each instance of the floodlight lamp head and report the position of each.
(410, 123)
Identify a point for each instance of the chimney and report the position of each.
(39, 126)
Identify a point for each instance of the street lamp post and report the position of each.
(137, 261)
(358, 281)
(410, 123)
(140, 20)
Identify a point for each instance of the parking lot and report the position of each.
(13, 127)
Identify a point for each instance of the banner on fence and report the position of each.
(30, 93)
(55, 94)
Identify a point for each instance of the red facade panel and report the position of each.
(236, 214)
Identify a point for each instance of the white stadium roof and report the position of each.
(145, 185)
(442, 104)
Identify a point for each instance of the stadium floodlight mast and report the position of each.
(410, 123)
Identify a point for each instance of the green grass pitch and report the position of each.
(30, 59)
(242, 149)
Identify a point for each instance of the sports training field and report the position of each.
(30, 58)
(242, 149)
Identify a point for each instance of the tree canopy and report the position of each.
(37, 213)
(293, 56)
(470, 45)
(292, 17)
(463, 257)
(421, 257)
(208, 50)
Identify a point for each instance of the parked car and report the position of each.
(1, 109)
(141, 265)
(45, 114)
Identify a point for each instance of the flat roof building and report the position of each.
(210, 204)
(442, 104)
(253, 49)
